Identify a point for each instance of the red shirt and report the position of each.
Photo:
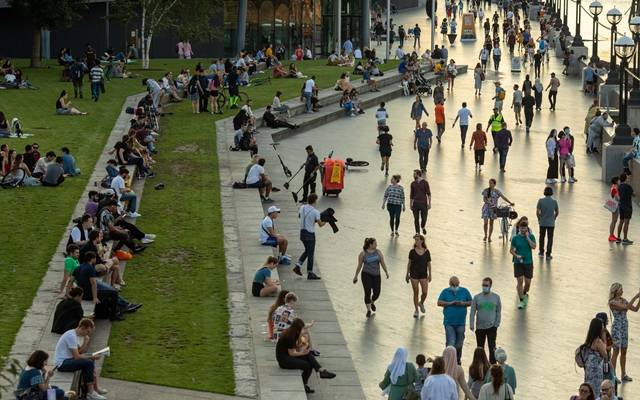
(439, 114)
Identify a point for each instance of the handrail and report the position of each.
(600, 23)
(634, 76)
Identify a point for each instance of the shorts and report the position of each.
(625, 213)
(271, 241)
(258, 185)
(525, 270)
(517, 107)
(63, 111)
(193, 97)
(385, 153)
(214, 93)
(256, 288)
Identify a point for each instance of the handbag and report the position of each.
(411, 394)
(611, 204)
(571, 161)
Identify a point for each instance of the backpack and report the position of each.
(501, 94)
(581, 355)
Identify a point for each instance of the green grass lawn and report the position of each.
(179, 338)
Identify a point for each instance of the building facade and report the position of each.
(317, 24)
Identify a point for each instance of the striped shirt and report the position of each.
(96, 74)
(394, 194)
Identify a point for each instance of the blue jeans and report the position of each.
(309, 242)
(628, 157)
(84, 364)
(455, 337)
(104, 289)
(503, 157)
(307, 97)
(95, 90)
(132, 198)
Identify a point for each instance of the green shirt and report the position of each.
(70, 264)
(398, 390)
(520, 244)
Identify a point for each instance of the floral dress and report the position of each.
(594, 370)
(620, 328)
(490, 203)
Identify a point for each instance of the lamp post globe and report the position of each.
(614, 16)
(596, 9)
(634, 25)
(624, 48)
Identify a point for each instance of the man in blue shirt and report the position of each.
(454, 300)
(402, 67)
(522, 246)
(422, 143)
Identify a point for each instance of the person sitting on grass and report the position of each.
(293, 353)
(41, 165)
(263, 285)
(69, 163)
(54, 175)
(272, 122)
(68, 312)
(70, 356)
(257, 178)
(63, 106)
(70, 264)
(269, 235)
(111, 264)
(33, 382)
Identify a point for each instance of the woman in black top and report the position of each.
(385, 143)
(293, 352)
(63, 106)
(419, 272)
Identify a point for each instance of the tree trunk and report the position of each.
(35, 48)
(148, 50)
(143, 33)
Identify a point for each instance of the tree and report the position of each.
(47, 14)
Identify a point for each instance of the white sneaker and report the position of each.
(563, 180)
(144, 240)
(134, 215)
(548, 181)
(102, 391)
(95, 396)
(554, 180)
(571, 180)
(150, 236)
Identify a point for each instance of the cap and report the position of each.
(273, 209)
(500, 354)
(602, 316)
(109, 192)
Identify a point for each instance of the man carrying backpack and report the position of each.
(76, 73)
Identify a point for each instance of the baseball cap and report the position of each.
(273, 209)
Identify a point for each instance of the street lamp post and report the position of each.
(577, 39)
(624, 48)
(596, 9)
(566, 12)
(634, 24)
(614, 16)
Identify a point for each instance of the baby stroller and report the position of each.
(423, 86)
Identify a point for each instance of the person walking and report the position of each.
(311, 167)
(485, 315)
(516, 104)
(422, 143)
(478, 77)
(452, 72)
(497, 54)
(440, 120)
(419, 272)
(499, 96)
(416, 37)
(370, 260)
(309, 217)
(625, 209)
(307, 93)
(593, 353)
(454, 300)
(554, 84)
(479, 145)
(394, 199)
(571, 161)
(538, 89)
(497, 389)
(509, 372)
(503, 140)
(478, 371)
(547, 211)
(521, 248)
(528, 102)
(420, 201)
(399, 376)
(484, 57)
(620, 326)
(564, 146)
(453, 368)
(463, 115)
(439, 385)
(385, 146)
(615, 212)
(417, 108)
(490, 198)
(495, 123)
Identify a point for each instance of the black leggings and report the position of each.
(394, 215)
(371, 285)
(306, 363)
(479, 156)
(419, 209)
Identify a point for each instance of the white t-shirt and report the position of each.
(464, 114)
(357, 54)
(439, 387)
(76, 235)
(308, 217)
(240, 63)
(308, 86)
(399, 53)
(381, 115)
(254, 174)
(117, 184)
(67, 342)
(266, 223)
(484, 54)
(497, 51)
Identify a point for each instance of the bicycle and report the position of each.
(505, 213)
(223, 98)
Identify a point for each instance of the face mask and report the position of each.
(454, 289)
(486, 289)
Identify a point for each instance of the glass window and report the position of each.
(266, 16)
(282, 26)
(229, 25)
(251, 34)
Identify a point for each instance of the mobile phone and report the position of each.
(55, 368)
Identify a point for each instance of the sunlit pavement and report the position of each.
(566, 292)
